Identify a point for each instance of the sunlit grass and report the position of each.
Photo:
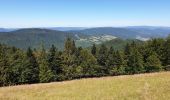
(155, 86)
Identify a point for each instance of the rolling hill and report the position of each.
(24, 38)
(151, 31)
(153, 86)
(117, 32)
(119, 44)
(85, 37)
(135, 32)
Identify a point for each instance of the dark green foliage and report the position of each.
(94, 50)
(20, 67)
(30, 72)
(167, 52)
(120, 63)
(153, 63)
(45, 72)
(5, 72)
(102, 55)
(55, 63)
(134, 60)
(88, 64)
(23, 38)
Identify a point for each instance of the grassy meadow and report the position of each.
(154, 86)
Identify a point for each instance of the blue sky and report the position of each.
(84, 13)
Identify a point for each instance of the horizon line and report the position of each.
(83, 26)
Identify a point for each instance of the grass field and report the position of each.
(155, 86)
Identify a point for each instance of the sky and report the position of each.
(84, 13)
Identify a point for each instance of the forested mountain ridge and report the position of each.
(85, 37)
(34, 37)
(128, 32)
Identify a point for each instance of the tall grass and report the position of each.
(155, 86)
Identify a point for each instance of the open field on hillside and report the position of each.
(155, 86)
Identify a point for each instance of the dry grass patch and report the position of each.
(155, 86)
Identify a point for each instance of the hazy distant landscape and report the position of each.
(85, 37)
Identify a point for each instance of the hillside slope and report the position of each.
(153, 86)
(34, 37)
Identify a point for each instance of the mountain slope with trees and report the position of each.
(35, 66)
(35, 37)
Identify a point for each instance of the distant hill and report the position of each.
(7, 29)
(85, 37)
(117, 32)
(66, 28)
(119, 44)
(136, 32)
(34, 37)
(151, 31)
(2, 30)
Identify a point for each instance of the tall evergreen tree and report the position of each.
(102, 55)
(88, 63)
(93, 50)
(153, 63)
(4, 68)
(167, 52)
(30, 71)
(134, 62)
(102, 59)
(15, 60)
(120, 63)
(55, 63)
(45, 72)
(111, 61)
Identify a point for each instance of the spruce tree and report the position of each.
(153, 63)
(55, 62)
(134, 62)
(88, 63)
(102, 58)
(93, 50)
(45, 72)
(111, 61)
(120, 63)
(166, 61)
(15, 60)
(102, 55)
(4, 68)
(30, 70)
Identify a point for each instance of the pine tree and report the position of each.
(55, 63)
(127, 49)
(45, 72)
(93, 50)
(4, 69)
(51, 58)
(120, 63)
(15, 63)
(102, 56)
(70, 59)
(167, 52)
(134, 62)
(166, 61)
(68, 47)
(111, 61)
(88, 63)
(153, 63)
(30, 71)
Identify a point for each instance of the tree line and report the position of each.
(41, 66)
